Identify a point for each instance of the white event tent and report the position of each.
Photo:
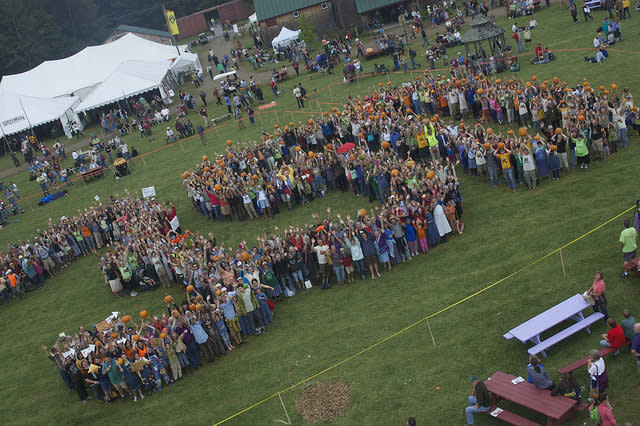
(122, 68)
(129, 79)
(285, 38)
(13, 109)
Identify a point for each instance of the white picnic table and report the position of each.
(532, 329)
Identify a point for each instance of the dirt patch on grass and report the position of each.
(324, 401)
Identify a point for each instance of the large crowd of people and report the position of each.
(229, 292)
(561, 128)
(119, 223)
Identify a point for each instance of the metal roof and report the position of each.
(481, 29)
(142, 30)
(266, 9)
(363, 6)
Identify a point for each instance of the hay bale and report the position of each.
(324, 401)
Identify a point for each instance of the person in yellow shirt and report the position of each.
(503, 154)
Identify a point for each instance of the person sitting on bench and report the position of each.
(614, 338)
(538, 375)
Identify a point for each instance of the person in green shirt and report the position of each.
(628, 242)
(582, 151)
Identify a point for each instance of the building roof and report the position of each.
(363, 6)
(266, 9)
(142, 30)
(481, 29)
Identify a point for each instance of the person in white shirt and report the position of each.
(321, 252)
(596, 367)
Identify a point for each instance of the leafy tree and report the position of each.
(306, 32)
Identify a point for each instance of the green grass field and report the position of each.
(504, 232)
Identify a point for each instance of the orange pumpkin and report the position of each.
(198, 306)
(216, 258)
(298, 149)
(192, 307)
(190, 288)
(523, 131)
(480, 91)
(168, 298)
(185, 175)
(431, 174)
(230, 155)
(245, 256)
(136, 337)
(362, 212)
(614, 86)
(580, 117)
(114, 335)
(218, 187)
(310, 121)
(556, 80)
(489, 131)
(410, 163)
(380, 84)
(510, 132)
(291, 124)
(395, 172)
(554, 147)
(144, 314)
(329, 147)
(163, 336)
(536, 137)
(558, 130)
(175, 313)
(205, 158)
(385, 144)
(120, 361)
(126, 318)
(534, 78)
(501, 145)
(487, 145)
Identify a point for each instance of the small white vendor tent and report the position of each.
(285, 38)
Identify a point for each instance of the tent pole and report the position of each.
(29, 122)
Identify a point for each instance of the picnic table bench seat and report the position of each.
(632, 265)
(513, 418)
(584, 361)
(223, 117)
(561, 335)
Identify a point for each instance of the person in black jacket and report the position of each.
(479, 401)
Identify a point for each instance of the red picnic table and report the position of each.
(556, 408)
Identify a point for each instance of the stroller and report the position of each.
(120, 168)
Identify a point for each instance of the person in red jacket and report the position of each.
(614, 337)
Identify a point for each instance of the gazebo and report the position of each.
(482, 29)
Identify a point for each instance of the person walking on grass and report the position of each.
(628, 242)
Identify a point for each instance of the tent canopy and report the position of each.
(15, 119)
(130, 79)
(224, 75)
(253, 19)
(285, 37)
(87, 68)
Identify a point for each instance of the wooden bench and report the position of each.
(633, 265)
(573, 329)
(92, 174)
(584, 361)
(223, 117)
(513, 418)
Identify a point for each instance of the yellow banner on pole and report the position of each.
(172, 23)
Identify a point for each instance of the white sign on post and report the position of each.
(235, 28)
(149, 191)
(175, 224)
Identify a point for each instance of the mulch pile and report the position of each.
(324, 401)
